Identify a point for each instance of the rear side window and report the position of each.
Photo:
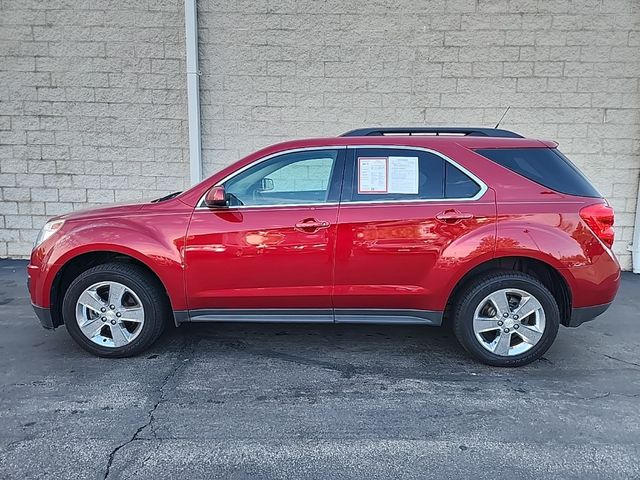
(377, 171)
(546, 166)
(393, 174)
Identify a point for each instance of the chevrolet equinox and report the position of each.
(498, 235)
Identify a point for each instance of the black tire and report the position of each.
(146, 287)
(474, 293)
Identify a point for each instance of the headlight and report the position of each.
(49, 229)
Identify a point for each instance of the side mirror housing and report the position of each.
(216, 197)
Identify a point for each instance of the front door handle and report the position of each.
(453, 216)
(311, 225)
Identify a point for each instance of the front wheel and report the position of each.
(506, 319)
(115, 310)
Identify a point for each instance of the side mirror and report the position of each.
(266, 184)
(216, 197)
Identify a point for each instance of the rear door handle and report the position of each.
(453, 216)
(311, 225)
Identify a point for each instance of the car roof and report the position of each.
(424, 141)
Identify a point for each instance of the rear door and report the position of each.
(271, 251)
(401, 211)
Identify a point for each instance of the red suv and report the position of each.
(498, 234)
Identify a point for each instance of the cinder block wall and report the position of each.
(92, 102)
(92, 108)
(570, 71)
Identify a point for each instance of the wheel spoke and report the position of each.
(134, 314)
(91, 328)
(503, 343)
(119, 335)
(500, 301)
(482, 324)
(90, 299)
(529, 334)
(527, 306)
(116, 291)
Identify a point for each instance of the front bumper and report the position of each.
(585, 314)
(44, 315)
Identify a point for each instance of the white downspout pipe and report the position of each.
(635, 246)
(193, 90)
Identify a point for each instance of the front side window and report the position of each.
(296, 178)
(388, 174)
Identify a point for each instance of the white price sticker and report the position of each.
(372, 175)
(403, 175)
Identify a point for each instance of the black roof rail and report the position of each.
(470, 131)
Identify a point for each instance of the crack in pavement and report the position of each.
(345, 369)
(348, 370)
(622, 361)
(148, 457)
(179, 365)
(15, 443)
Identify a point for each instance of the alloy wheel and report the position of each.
(110, 314)
(509, 322)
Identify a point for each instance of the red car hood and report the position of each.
(102, 212)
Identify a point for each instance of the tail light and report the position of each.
(599, 218)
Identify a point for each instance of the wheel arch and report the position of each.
(550, 277)
(77, 264)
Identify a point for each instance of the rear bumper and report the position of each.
(44, 315)
(596, 284)
(585, 314)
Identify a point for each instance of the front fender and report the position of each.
(156, 242)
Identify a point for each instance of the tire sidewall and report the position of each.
(138, 286)
(477, 293)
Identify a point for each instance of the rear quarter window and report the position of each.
(458, 185)
(545, 166)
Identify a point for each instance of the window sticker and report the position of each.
(403, 175)
(372, 175)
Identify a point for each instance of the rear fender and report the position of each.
(565, 243)
(459, 257)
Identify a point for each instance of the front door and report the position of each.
(271, 251)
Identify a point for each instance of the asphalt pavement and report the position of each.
(316, 401)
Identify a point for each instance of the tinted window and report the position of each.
(396, 174)
(291, 178)
(403, 174)
(458, 184)
(546, 166)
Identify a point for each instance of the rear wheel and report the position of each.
(506, 319)
(115, 310)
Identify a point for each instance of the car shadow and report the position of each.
(349, 349)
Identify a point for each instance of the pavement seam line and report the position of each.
(622, 361)
(180, 362)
